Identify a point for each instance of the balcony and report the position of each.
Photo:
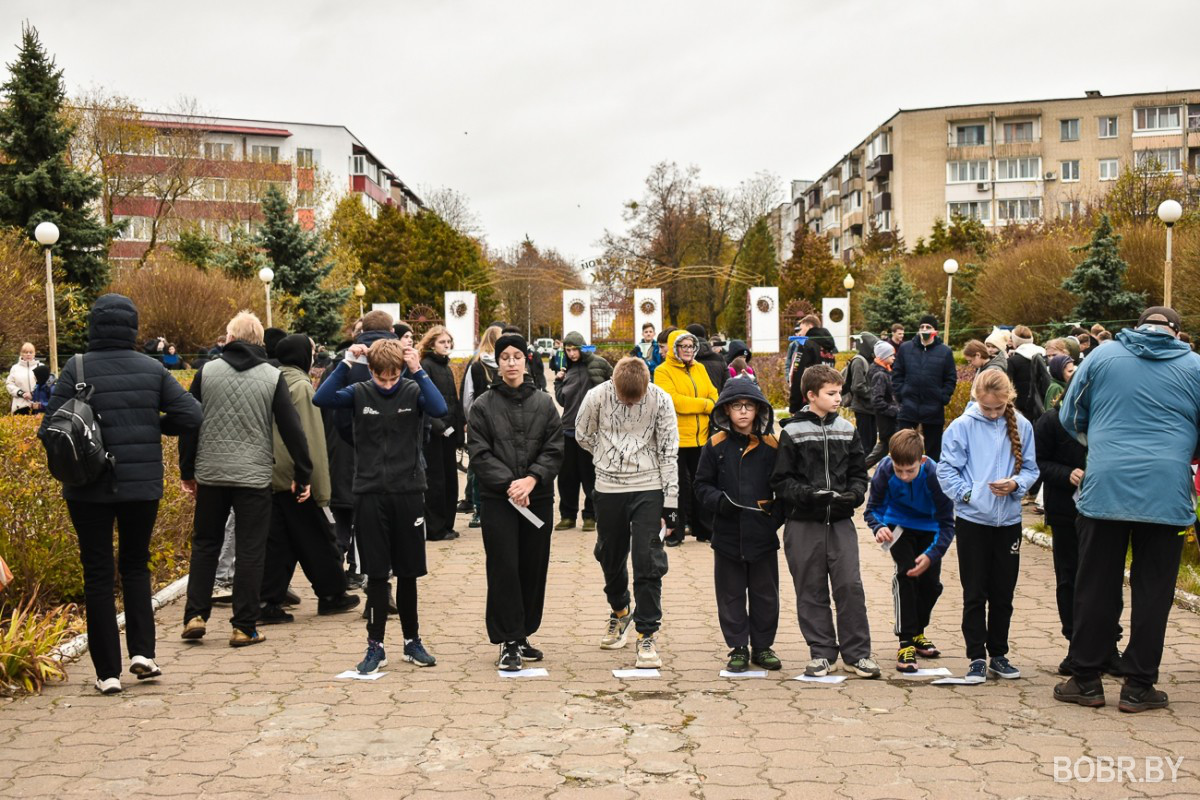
(851, 184)
(880, 168)
(881, 202)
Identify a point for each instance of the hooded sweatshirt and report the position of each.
(295, 357)
(692, 393)
(1135, 404)
(976, 451)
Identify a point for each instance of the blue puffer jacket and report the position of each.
(1135, 403)
(919, 504)
(975, 452)
(923, 378)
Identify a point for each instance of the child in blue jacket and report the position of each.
(907, 508)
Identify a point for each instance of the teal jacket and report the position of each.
(1135, 404)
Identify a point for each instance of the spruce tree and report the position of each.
(755, 267)
(1098, 281)
(37, 181)
(893, 299)
(301, 264)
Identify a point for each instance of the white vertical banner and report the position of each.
(835, 314)
(647, 308)
(391, 308)
(764, 319)
(460, 321)
(577, 313)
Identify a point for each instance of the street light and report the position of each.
(1169, 211)
(848, 282)
(949, 266)
(266, 275)
(47, 235)
(359, 291)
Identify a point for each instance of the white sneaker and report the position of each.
(647, 654)
(144, 668)
(617, 632)
(108, 685)
(817, 668)
(864, 668)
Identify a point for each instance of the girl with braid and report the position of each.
(988, 463)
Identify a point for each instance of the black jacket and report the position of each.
(713, 363)
(1058, 453)
(820, 454)
(924, 377)
(735, 474)
(131, 393)
(857, 395)
(359, 372)
(883, 397)
(1031, 379)
(515, 433)
(818, 348)
(581, 377)
(439, 371)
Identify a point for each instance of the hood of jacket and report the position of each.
(243, 356)
(998, 361)
(113, 323)
(737, 348)
(295, 351)
(371, 337)
(573, 339)
(1029, 350)
(671, 356)
(519, 393)
(822, 337)
(742, 388)
(866, 346)
(1148, 342)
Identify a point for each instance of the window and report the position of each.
(304, 198)
(974, 209)
(1156, 119)
(1194, 117)
(136, 229)
(1069, 170)
(218, 151)
(1019, 169)
(966, 171)
(835, 246)
(267, 154)
(1165, 160)
(166, 146)
(1068, 130)
(358, 165)
(849, 169)
(214, 189)
(879, 146)
(304, 158)
(1070, 209)
(1022, 209)
(883, 221)
(1108, 169)
(1018, 132)
(1108, 127)
(965, 135)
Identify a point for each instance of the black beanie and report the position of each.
(928, 319)
(295, 351)
(511, 340)
(400, 329)
(41, 373)
(697, 330)
(271, 338)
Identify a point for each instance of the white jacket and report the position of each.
(20, 384)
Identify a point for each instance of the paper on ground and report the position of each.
(751, 674)
(822, 679)
(527, 514)
(951, 682)
(897, 532)
(537, 672)
(925, 673)
(636, 673)
(354, 676)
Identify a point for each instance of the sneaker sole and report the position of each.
(143, 674)
(193, 633)
(247, 642)
(735, 670)
(655, 664)
(861, 673)
(974, 681)
(516, 668)
(110, 691)
(1003, 676)
(816, 673)
(907, 669)
(378, 667)
(329, 612)
(1137, 708)
(619, 643)
(1080, 700)
(412, 660)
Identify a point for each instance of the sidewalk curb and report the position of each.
(79, 645)
(1183, 599)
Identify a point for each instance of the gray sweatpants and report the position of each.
(820, 555)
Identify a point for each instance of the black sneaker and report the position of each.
(739, 660)
(510, 657)
(355, 580)
(674, 540)
(529, 652)
(293, 599)
(274, 615)
(337, 605)
(464, 507)
(766, 659)
(1084, 693)
(1141, 698)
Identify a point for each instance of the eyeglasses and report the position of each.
(743, 407)
(686, 347)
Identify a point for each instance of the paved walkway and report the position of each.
(271, 721)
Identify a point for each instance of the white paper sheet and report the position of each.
(527, 514)
(636, 673)
(925, 673)
(353, 675)
(822, 679)
(749, 674)
(897, 532)
(951, 682)
(537, 672)
(448, 432)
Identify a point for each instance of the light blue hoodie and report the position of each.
(975, 452)
(1135, 403)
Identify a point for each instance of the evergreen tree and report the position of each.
(755, 267)
(301, 263)
(893, 299)
(196, 247)
(37, 181)
(1098, 281)
(812, 272)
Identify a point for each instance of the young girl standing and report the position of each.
(988, 464)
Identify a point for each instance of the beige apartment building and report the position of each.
(1001, 163)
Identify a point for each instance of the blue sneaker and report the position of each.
(374, 659)
(977, 672)
(415, 653)
(1000, 667)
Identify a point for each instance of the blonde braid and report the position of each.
(1014, 437)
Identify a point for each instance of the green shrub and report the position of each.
(28, 640)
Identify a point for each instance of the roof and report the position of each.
(219, 128)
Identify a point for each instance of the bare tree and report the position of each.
(529, 284)
(110, 139)
(454, 208)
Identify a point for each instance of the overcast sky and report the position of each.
(548, 116)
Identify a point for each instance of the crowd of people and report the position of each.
(350, 479)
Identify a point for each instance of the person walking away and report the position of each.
(857, 387)
(988, 463)
(693, 397)
(733, 487)
(516, 447)
(821, 475)
(445, 437)
(21, 380)
(582, 373)
(1028, 372)
(883, 399)
(924, 377)
(818, 348)
(629, 426)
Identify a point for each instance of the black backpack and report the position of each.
(74, 447)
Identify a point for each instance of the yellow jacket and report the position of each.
(691, 391)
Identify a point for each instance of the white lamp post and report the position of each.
(47, 235)
(1169, 211)
(949, 266)
(848, 283)
(359, 291)
(266, 275)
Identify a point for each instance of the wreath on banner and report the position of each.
(458, 309)
(576, 308)
(765, 304)
(648, 306)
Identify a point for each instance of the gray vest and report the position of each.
(236, 448)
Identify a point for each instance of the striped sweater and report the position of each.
(635, 448)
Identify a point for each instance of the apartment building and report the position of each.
(212, 173)
(1000, 163)
(786, 218)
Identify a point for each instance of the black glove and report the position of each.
(671, 517)
(843, 504)
(725, 508)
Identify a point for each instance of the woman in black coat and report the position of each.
(137, 403)
(445, 437)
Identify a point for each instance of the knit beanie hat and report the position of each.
(1057, 365)
(697, 330)
(1020, 340)
(928, 319)
(400, 329)
(998, 339)
(884, 350)
(511, 340)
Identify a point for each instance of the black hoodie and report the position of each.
(130, 391)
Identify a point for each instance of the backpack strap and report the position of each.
(77, 361)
